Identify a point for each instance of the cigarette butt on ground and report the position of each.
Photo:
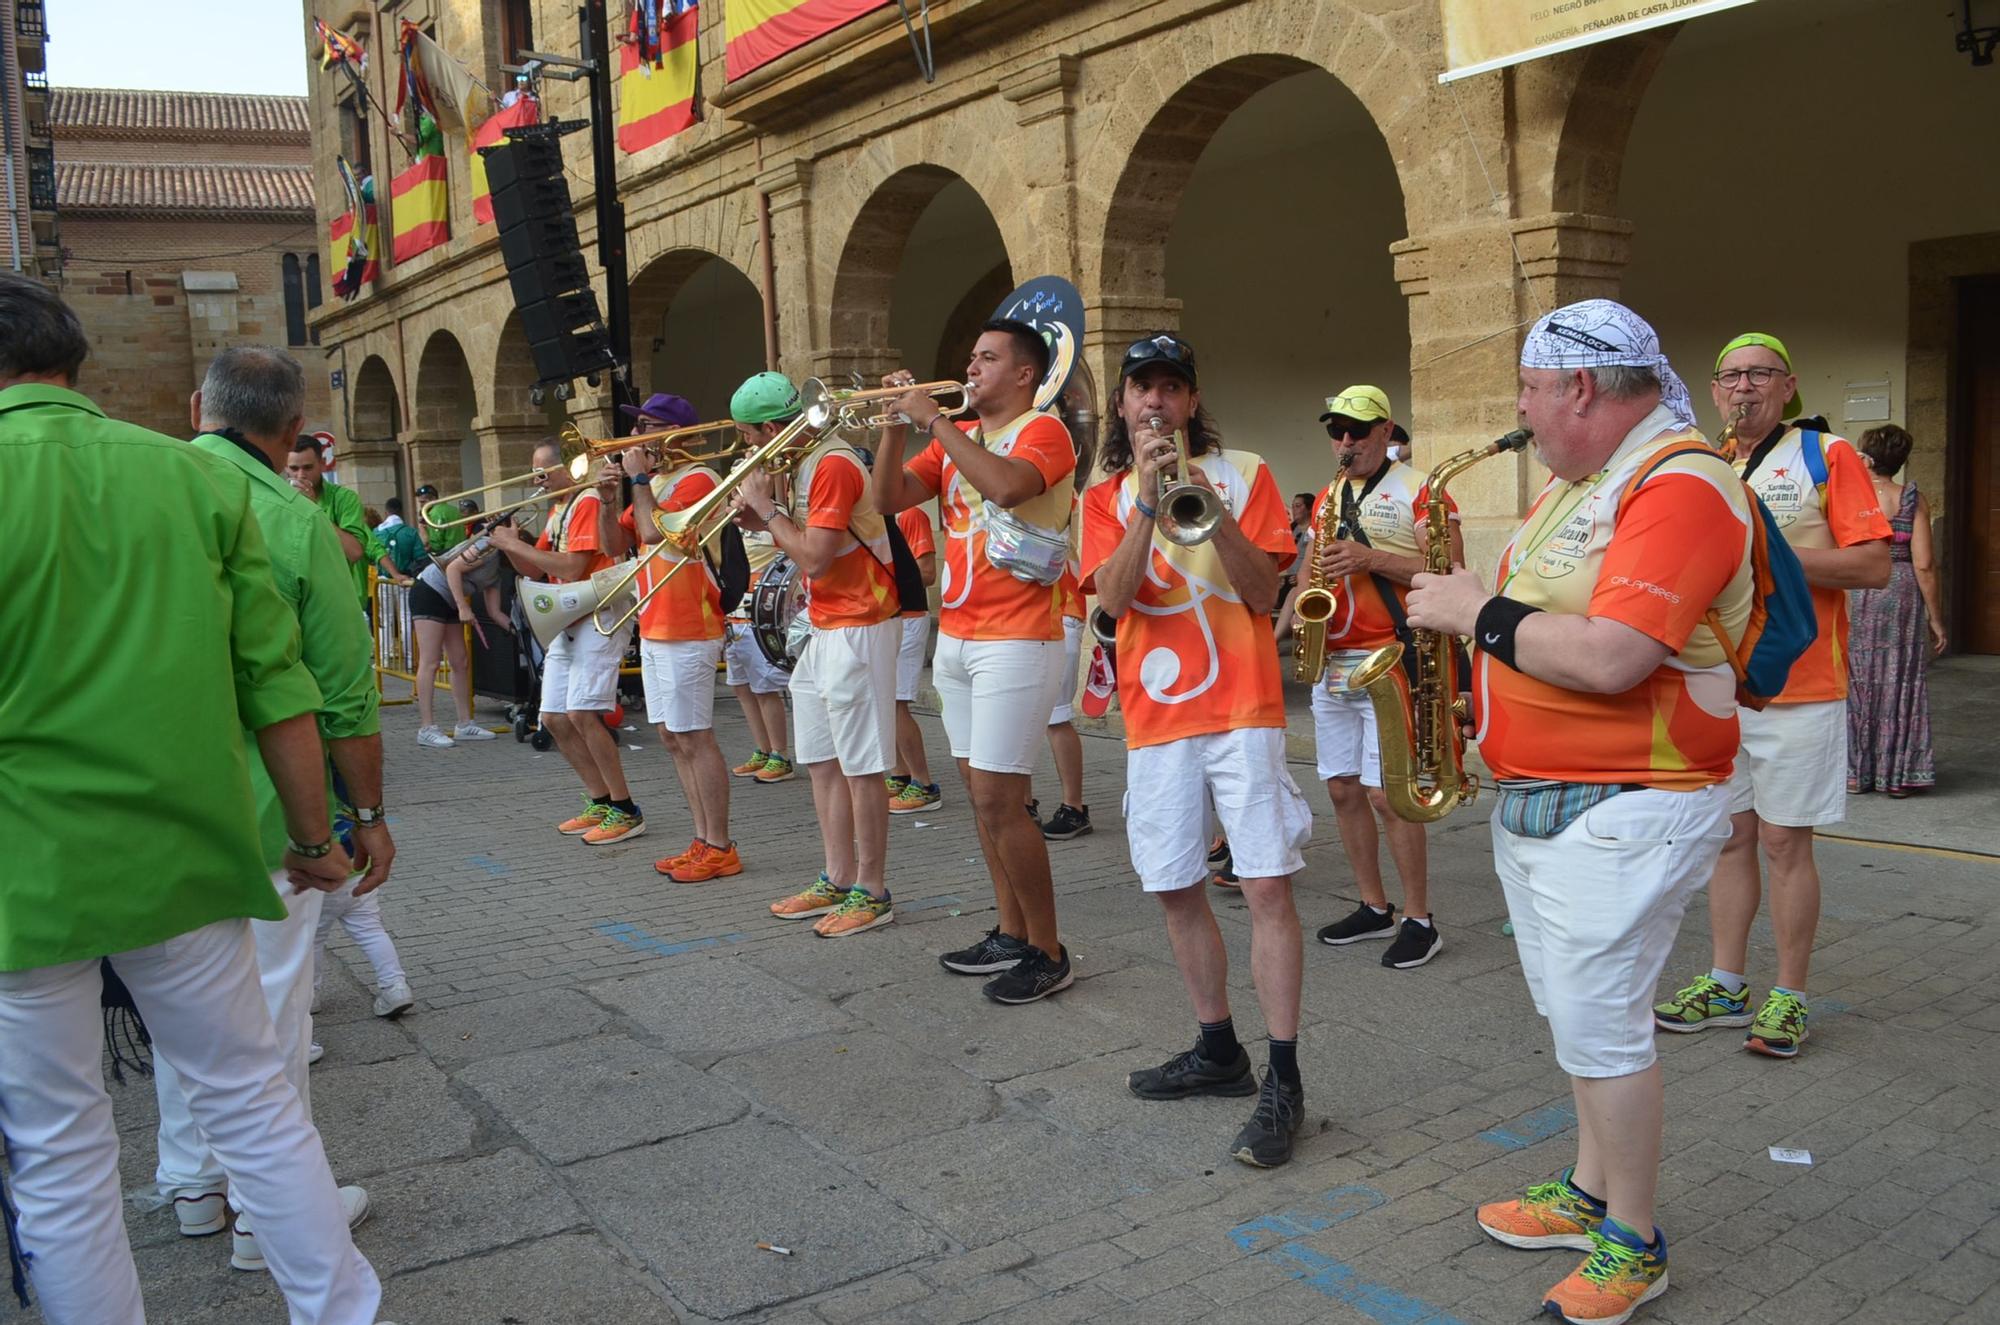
(767, 1246)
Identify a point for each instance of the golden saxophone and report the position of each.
(1314, 606)
(1423, 753)
(1725, 441)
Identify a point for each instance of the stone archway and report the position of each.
(444, 447)
(368, 462)
(697, 329)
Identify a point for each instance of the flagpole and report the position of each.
(596, 41)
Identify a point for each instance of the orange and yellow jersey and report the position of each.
(1071, 582)
(1389, 514)
(831, 492)
(1657, 562)
(690, 606)
(977, 600)
(1850, 514)
(1192, 657)
(915, 524)
(572, 527)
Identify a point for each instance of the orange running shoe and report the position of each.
(666, 866)
(752, 766)
(857, 911)
(1617, 1276)
(708, 862)
(777, 768)
(1548, 1214)
(817, 900)
(593, 815)
(617, 826)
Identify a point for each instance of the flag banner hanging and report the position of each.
(759, 31)
(353, 264)
(438, 85)
(491, 134)
(656, 96)
(1491, 34)
(420, 210)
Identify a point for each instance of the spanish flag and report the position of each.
(420, 214)
(656, 100)
(339, 249)
(491, 134)
(759, 31)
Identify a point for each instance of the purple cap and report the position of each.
(671, 410)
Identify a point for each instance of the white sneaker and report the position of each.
(394, 1000)
(435, 738)
(244, 1254)
(201, 1215)
(314, 1052)
(472, 731)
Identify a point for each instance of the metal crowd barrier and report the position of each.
(396, 639)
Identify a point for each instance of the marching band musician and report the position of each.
(759, 683)
(580, 669)
(1378, 506)
(911, 790)
(1608, 716)
(999, 663)
(1205, 726)
(680, 636)
(844, 688)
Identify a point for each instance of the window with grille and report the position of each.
(295, 299)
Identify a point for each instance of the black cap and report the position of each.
(426, 490)
(1165, 349)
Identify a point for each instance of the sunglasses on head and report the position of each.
(1163, 347)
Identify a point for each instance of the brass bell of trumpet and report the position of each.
(1189, 513)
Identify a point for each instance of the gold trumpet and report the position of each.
(578, 469)
(1189, 513)
(683, 533)
(1314, 606)
(850, 402)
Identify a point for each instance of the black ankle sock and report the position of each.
(628, 805)
(600, 800)
(1285, 1061)
(1218, 1040)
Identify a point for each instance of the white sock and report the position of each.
(1731, 980)
(1425, 921)
(1378, 910)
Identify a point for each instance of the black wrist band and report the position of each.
(1496, 625)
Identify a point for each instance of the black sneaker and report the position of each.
(1365, 923)
(1034, 977)
(995, 952)
(1067, 822)
(1035, 812)
(1415, 944)
(1266, 1140)
(1189, 1073)
(1218, 854)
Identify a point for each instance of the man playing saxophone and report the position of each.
(1607, 713)
(1375, 507)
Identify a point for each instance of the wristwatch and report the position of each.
(775, 511)
(312, 852)
(369, 817)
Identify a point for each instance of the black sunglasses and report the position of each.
(1164, 347)
(1358, 431)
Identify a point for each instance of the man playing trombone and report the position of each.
(580, 670)
(680, 633)
(1003, 481)
(844, 688)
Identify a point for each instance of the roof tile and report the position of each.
(124, 113)
(184, 190)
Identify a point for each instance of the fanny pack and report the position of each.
(1025, 551)
(1543, 807)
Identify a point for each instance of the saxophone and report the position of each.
(1313, 608)
(1725, 441)
(1423, 753)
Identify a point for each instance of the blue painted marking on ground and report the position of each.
(487, 863)
(1532, 1127)
(928, 904)
(633, 936)
(1827, 1007)
(1334, 1279)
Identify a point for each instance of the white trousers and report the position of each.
(188, 1167)
(199, 995)
(361, 917)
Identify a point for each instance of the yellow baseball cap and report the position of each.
(1364, 404)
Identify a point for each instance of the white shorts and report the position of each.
(1345, 735)
(747, 664)
(680, 682)
(1792, 765)
(1596, 909)
(996, 696)
(844, 698)
(1237, 777)
(580, 670)
(910, 656)
(1065, 708)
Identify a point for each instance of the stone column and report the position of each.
(1113, 322)
(371, 467)
(507, 442)
(1043, 94)
(434, 458)
(788, 185)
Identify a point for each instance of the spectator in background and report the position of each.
(306, 469)
(405, 545)
(1893, 634)
(436, 540)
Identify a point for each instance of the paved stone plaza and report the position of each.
(613, 1087)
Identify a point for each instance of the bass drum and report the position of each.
(778, 619)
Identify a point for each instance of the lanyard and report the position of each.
(1350, 506)
(1545, 529)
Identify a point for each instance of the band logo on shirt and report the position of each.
(1783, 495)
(1569, 545)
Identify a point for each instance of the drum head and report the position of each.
(778, 601)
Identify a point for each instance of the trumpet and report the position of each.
(849, 403)
(1314, 606)
(1189, 513)
(664, 444)
(683, 533)
(578, 469)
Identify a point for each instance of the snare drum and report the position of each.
(778, 618)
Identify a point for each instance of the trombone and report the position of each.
(1189, 513)
(578, 469)
(684, 533)
(849, 403)
(665, 444)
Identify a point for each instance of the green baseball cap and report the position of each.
(765, 398)
(1793, 407)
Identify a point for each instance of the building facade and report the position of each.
(1283, 181)
(27, 150)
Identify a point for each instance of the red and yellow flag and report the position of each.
(349, 276)
(420, 214)
(491, 134)
(657, 101)
(759, 31)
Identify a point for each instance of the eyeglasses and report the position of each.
(1732, 377)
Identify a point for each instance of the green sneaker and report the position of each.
(817, 900)
(894, 784)
(1703, 1005)
(1780, 1027)
(856, 912)
(1548, 1214)
(1619, 1275)
(752, 766)
(776, 768)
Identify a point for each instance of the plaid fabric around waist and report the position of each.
(1543, 807)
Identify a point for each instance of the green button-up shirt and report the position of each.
(343, 507)
(311, 574)
(140, 634)
(443, 540)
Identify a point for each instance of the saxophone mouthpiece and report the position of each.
(1516, 440)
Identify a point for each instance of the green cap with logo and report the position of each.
(1793, 407)
(764, 398)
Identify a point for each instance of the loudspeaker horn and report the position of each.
(553, 608)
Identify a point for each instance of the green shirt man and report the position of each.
(139, 649)
(307, 472)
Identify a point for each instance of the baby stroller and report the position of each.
(525, 716)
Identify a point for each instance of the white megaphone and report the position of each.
(553, 608)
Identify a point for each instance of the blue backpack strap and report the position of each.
(1812, 446)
